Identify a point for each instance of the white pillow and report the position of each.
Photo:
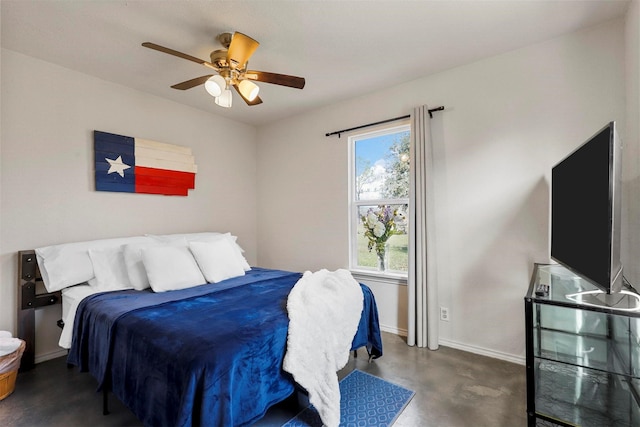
(109, 269)
(63, 269)
(135, 268)
(133, 261)
(232, 239)
(217, 260)
(205, 236)
(239, 252)
(69, 264)
(170, 268)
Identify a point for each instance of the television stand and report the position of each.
(583, 357)
(623, 300)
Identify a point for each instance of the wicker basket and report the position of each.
(7, 383)
(9, 365)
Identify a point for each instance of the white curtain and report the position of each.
(422, 286)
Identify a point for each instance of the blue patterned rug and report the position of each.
(365, 400)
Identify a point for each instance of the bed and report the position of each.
(204, 354)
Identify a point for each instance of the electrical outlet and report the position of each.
(444, 314)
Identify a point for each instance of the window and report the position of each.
(379, 200)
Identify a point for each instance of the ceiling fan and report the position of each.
(230, 64)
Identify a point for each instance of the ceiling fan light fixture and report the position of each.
(248, 89)
(215, 85)
(230, 65)
(225, 99)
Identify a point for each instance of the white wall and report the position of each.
(508, 119)
(48, 117)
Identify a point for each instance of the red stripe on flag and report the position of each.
(163, 181)
(165, 176)
(167, 191)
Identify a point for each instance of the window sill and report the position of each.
(388, 278)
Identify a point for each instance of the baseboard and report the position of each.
(520, 360)
(43, 357)
(464, 347)
(394, 330)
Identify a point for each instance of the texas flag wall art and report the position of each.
(135, 165)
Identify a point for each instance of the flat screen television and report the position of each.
(586, 210)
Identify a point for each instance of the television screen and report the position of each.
(585, 210)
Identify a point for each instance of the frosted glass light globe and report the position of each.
(215, 85)
(225, 99)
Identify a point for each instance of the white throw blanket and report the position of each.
(324, 312)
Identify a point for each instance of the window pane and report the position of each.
(382, 167)
(383, 227)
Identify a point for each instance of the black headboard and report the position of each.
(28, 302)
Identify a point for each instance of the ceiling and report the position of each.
(344, 49)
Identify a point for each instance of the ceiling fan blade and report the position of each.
(192, 83)
(277, 79)
(178, 54)
(240, 50)
(250, 103)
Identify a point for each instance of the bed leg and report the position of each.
(105, 401)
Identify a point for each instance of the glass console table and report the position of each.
(583, 352)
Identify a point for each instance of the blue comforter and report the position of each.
(209, 355)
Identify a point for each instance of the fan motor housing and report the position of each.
(219, 58)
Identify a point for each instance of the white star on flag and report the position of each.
(117, 166)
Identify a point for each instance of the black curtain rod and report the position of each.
(338, 132)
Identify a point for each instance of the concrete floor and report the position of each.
(453, 389)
